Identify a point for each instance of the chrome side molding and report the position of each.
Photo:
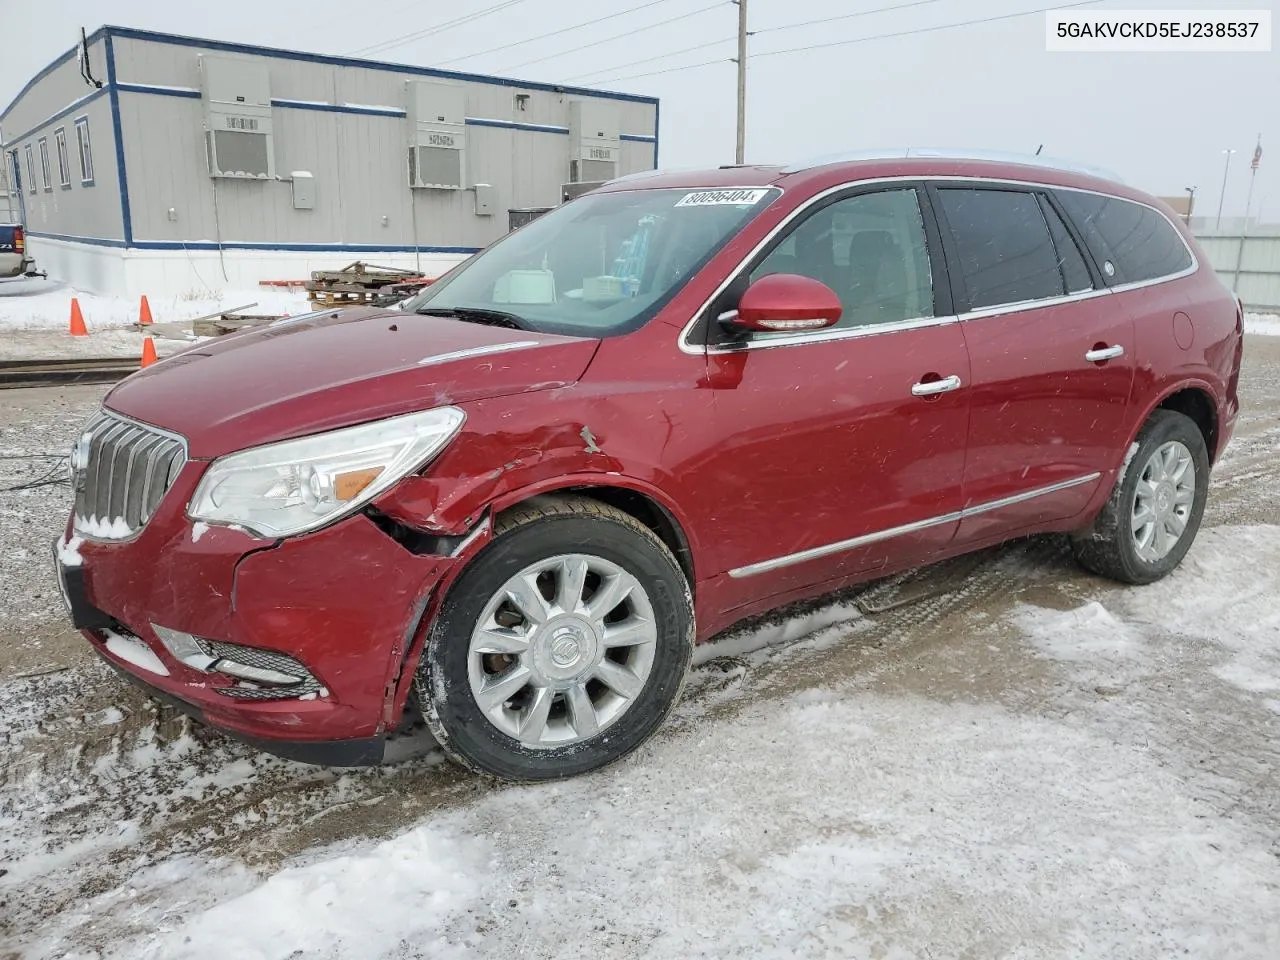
(814, 553)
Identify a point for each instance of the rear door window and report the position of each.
(1005, 252)
(1138, 242)
(1070, 260)
(870, 249)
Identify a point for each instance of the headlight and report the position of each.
(298, 485)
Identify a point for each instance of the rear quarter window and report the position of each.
(1138, 241)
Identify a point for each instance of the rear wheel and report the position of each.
(1152, 516)
(563, 645)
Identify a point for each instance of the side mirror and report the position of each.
(786, 301)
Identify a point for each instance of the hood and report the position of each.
(336, 369)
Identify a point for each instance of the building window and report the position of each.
(44, 164)
(31, 171)
(64, 161)
(85, 150)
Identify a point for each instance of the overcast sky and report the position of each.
(1160, 120)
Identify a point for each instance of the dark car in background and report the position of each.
(14, 261)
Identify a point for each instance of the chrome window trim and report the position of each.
(685, 346)
(825, 336)
(1022, 306)
(814, 553)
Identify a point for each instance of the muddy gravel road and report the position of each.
(997, 756)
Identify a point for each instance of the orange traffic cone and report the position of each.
(144, 313)
(78, 328)
(148, 352)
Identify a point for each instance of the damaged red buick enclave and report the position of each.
(516, 503)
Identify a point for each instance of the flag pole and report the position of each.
(1244, 230)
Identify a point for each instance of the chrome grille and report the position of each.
(120, 470)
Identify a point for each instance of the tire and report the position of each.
(1112, 546)
(569, 533)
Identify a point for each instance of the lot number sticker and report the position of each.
(709, 198)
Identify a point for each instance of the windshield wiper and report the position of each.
(495, 318)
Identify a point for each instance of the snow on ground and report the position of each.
(46, 305)
(1031, 763)
(1266, 324)
(35, 317)
(838, 825)
(839, 819)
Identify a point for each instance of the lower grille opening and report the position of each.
(255, 673)
(262, 674)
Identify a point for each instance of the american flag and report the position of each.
(1257, 156)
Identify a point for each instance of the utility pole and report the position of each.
(739, 155)
(1223, 196)
(1191, 202)
(1248, 202)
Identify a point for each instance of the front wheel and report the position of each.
(1154, 512)
(562, 646)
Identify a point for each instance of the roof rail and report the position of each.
(639, 175)
(939, 153)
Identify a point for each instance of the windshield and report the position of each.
(599, 266)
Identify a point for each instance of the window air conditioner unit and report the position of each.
(595, 146)
(436, 116)
(237, 117)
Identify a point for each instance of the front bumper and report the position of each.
(359, 752)
(348, 602)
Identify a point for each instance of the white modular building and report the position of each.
(168, 164)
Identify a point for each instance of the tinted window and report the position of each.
(870, 249)
(1070, 260)
(1006, 254)
(1139, 241)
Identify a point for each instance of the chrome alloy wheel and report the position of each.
(561, 650)
(1162, 501)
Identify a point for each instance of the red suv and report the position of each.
(675, 402)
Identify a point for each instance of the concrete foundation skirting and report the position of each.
(117, 271)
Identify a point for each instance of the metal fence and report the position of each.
(1248, 262)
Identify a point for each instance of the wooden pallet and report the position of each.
(359, 284)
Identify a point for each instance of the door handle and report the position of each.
(1099, 354)
(934, 387)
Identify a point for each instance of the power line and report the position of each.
(945, 26)
(385, 45)
(658, 73)
(661, 56)
(619, 36)
(788, 26)
(845, 16)
(843, 43)
(555, 33)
